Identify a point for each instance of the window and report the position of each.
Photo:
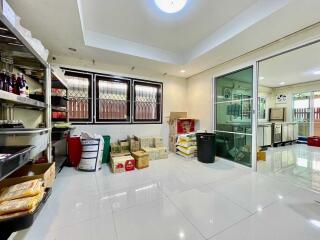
(112, 99)
(80, 96)
(147, 105)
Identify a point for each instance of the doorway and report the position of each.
(290, 85)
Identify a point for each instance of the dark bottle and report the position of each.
(13, 86)
(7, 82)
(23, 86)
(2, 79)
(19, 83)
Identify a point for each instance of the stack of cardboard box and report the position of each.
(154, 147)
(136, 151)
(121, 160)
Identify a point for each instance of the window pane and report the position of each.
(147, 99)
(79, 103)
(113, 101)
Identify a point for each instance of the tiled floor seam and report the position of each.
(182, 213)
(231, 200)
(231, 226)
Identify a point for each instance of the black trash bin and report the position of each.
(206, 144)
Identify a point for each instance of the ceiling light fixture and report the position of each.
(316, 72)
(171, 6)
(183, 71)
(282, 83)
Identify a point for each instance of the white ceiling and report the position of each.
(141, 21)
(291, 68)
(136, 33)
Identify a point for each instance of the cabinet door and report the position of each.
(284, 133)
(290, 132)
(267, 135)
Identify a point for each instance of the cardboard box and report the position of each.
(124, 145)
(145, 142)
(179, 123)
(172, 143)
(182, 126)
(141, 158)
(261, 155)
(157, 142)
(120, 154)
(115, 148)
(176, 115)
(153, 153)
(122, 164)
(134, 144)
(44, 171)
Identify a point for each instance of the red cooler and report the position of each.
(314, 141)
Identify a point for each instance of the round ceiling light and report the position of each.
(171, 6)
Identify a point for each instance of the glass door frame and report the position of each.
(254, 112)
(255, 63)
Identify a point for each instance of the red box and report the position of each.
(122, 164)
(314, 141)
(185, 126)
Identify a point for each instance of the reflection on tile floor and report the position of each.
(176, 199)
(298, 164)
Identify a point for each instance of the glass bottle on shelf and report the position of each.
(18, 84)
(9, 82)
(23, 85)
(2, 79)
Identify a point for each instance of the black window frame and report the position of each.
(75, 73)
(94, 97)
(158, 85)
(103, 77)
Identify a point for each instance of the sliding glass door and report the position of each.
(233, 115)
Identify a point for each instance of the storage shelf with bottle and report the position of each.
(24, 122)
(61, 127)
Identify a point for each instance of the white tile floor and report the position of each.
(176, 199)
(298, 164)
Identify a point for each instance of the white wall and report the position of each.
(290, 91)
(174, 99)
(200, 86)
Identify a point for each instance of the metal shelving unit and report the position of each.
(22, 102)
(17, 53)
(59, 142)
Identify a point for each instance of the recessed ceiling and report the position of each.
(142, 22)
(137, 33)
(299, 66)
